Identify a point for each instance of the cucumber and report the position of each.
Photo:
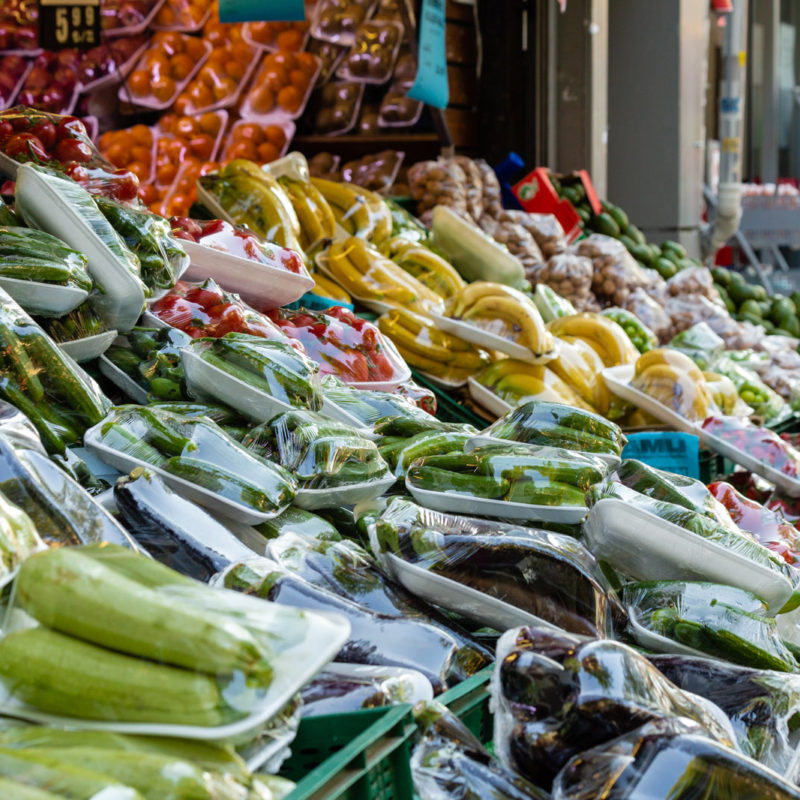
(441, 480)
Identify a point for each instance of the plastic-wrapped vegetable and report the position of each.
(200, 452)
(322, 454)
(7, 215)
(149, 236)
(557, 696)
(766, 403)
(751, 359)
(649, 311)
(556, 425)
(401, 453)
(425, 265)
(545, 229)
(274, 368)
(734, 539)
(43, 382)
(153, 360)
(725, 396)
(299, 522)
(374, 638)
(668, 759)
(762, 705)
(722, 621)
(768, 526)
(550, 304)
(81, 323)
(449, 763)
(642, 337)
(616, 273)
(518, 473)
(546, 574)
(438, 183)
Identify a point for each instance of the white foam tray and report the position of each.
(311, 499)
(487, 399)
(44, 299)
(647, 548)
(90, 347)
(123, 381)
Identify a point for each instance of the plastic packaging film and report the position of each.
(701, 344)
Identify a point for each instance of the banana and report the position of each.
(324, 212)
(348, 276)
(425, 266)
(523, 315)
(311, 231)
(350, 209)
(476, 290)
(674, 374)
(605, 336)
(431, 365)
(492, 374)
(514, 388)
(415, 342)
(325, 287)
(380, 213)
(665, 356)
(579, 366)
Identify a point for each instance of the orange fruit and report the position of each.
(224, 88)
(202, 145)
(171, 42)
(118, 155)
(139, 83)
(279, 59)
(249, 131)
(242, 150)
(289, 99)
(176, 150)
(183, 103)
(155, 59)
(165, 16)
(241, 51)
(209, 123)
(306, 62)
(275, 135)
(267, 152)
(299, 80)
(167, 122)
(275, 78)
(141, 171)
(182, 66)
(290, 40)
(235, 69)
(201, 95)
(195, 47)
(165, 174)
(262, 99)
(163, 89)
(148, 194)
(142, 153)
(141, 134)
(187, 127)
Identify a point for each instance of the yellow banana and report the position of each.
(477, 290)
(507, 366)
(380, 213)
(417, 361)
(675, 374)
(311, 231)
(520, 313)
(415, 342)
(348, 276)
(665, 356)
(580, 368)
(428, 268)
(607, 338)
(350, 209)
(325, 287)
(324, 212)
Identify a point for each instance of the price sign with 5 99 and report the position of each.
(69, 23)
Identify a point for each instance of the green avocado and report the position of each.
(676, 248)
(672, 256)
(604, 223)
(721, 276)
(686, 263)
(793, 326)
(572, 194)
(726, 298)
(617, 214)
(641, 252)
(750, 318)
(752, 307)
(795, 298)
(635, 234)
(585, 215)
(665, 268)
(768, 326)
(628, 242)
(760, 293)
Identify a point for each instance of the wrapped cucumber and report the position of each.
(550, 304)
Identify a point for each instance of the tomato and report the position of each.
(225, 318)
(70, 127)
(208, 297)
(176, 311)
(73, 150)
(26, 144)
(46, 132)
(6, 130)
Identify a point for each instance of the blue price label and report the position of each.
(430, 85)
(261, 11)
(674, 452)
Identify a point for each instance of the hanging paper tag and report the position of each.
(69, 23)
(669, 450)
(430, 85)
(261, 11)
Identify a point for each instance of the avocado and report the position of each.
(584, 215)
(752, 307)
(721, 276)
(781, 332)
(618, 215)
(781, 307)
(759, 293)
(793, 326)
(672, 256)
(654, 249)
(795, 298)
(635, 234)
(768, 326)
(604, 223)
(676, 248)
(665, 268)
(686, 263)
(572, 194)
(750, 318)
(766, 307)
(629, 243)
(729, 304)
(641, 252)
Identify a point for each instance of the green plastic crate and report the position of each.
(469, 701)
(448, 409)
(363, 755)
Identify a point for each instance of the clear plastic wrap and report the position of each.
(606, 338)
(580, 367)
(336, 108)
(141, 643)
(673, 379)
(725, 396)
(545, 229)
(274, 368)
(549, 575)
(44, 383)
(555, 425)
(722, 621)
(694, 280)
(520, 243)
(568, 274)
(687, 310)
(557, 697)
(515, 382)
(639, 333)
(786, 384)
(616, 273)
(473, 186)
(200, 452)
(758, 361)
(425, 265)
(761, 443)
(320, 453)
(552, 305)
(667, 760)
(282, 86)
(438, 183)
(373, 53)
(337, 20)
(701, 344)
(449, 763)
(767, 525)
(764, 401)
(760, 704)
(376, 171)
(492, 192)
(650, 312)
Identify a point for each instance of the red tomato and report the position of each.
(69, 128)
(225, 318)
(26, 144)
(73, 150)
(206, 297)
(46, 132)
(20, 123)
(176, 311)
(6, 130)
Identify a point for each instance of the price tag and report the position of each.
(668, 450)
(261, 11)
(430, 85)
(69, 23)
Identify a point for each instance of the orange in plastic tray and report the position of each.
(178, 200)
(255, 142)
(220, 80)
(183, 14)
(287, 36)
(131, 148)
(282, 83)
(183, 137)
(164, 67)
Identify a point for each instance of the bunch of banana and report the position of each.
(486, 304)
(579, 366)
(317, 223)
(725, 396)
(368, 275)
(515, 381)
(674, 380)
(325, 287)
(605, 336)
(429, 350)
(360, 212)
(427, 267)
(249, 196)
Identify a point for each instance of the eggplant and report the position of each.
(174, 530)
(374, 638)
(63, 513)
(560, 696)
(346, 569)
(449, 762)
(668, 760)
